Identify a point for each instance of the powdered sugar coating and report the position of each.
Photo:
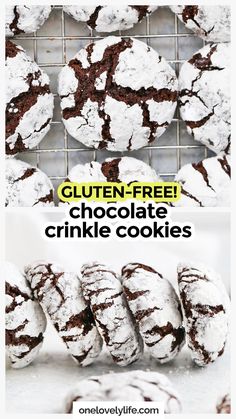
(137, 386)
(211, 23)
(204, 83)
(27, 186)
(29, 102)
(102, 289)
(60, 296)
(224, 405)
(109, 18)
(117, 94)
(124, 169)
(25, 19)
(205, 184)
(156, 309)
(206, 311)
(25, 321)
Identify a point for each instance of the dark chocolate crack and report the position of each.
(84, 320)
(15, 292)
(128, 270)
(46, 198)
(54, 278)
(14, 24)
(142, 11)
(225, 165)
(27, 173)
(87, 90)
(134, 295)
(11, 49)
(202, 170)
(110, 170)
(92, 22)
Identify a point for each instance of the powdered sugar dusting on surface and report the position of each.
(25, 19)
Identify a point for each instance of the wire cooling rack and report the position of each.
(58, 41)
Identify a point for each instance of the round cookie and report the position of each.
(25, 19)
(156, 309)
(29, 102)
(102, 289)
(205, 305)
(27, 186)
(117, 94)
(25, 321)
(204, 98)
(109, 18)
(123, 169)
(60, 295)
(136, 386)
(224, 405)
(212, 23)
(205, 184)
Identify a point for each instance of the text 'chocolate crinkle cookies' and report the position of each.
(204, 98)
(102, 289)
(156, 309)
(109, 18)
(206, 312)
(211, 23)
(60, 296)
(29, 102)
(25, 19)
(117, 94)
(26, 186)
(138, 386)
(205, 184)
(25, 321)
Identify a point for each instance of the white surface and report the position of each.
(42, 386)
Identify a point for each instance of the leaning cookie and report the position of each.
(212, 23)
(205, 184)
(109, 18)
(224, 405)
(25, 321)
(29, 102)
(60, 296)
(117, 94)
(102, 289)
(204, 99)
(137, 386)
(25, 19)
(206, 312)
(156, 309)
(27, 186)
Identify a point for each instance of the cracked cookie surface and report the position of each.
(156, 309)
(212, 23)
(25, 321)
(25, 19)
(60, 295)
(204, 97)
(139, 386)
(224, 405)
(117, 94)
(102, 289)
(109, 18)
(206, 312)
(29, 102)
(205, 184)
(26, 186)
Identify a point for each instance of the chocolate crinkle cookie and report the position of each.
(27, 186)
(212, 23)
(60, 295)
(117, 94)
(25, 321)
(156, 309)
(206, 312)
(224, 405)
(205, 184)
(29, 102)
(123, 169)
(204, 98)
(25, 19)
(109, 18)
(102, 290)
(137, 386)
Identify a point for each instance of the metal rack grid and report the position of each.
(168, 153)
